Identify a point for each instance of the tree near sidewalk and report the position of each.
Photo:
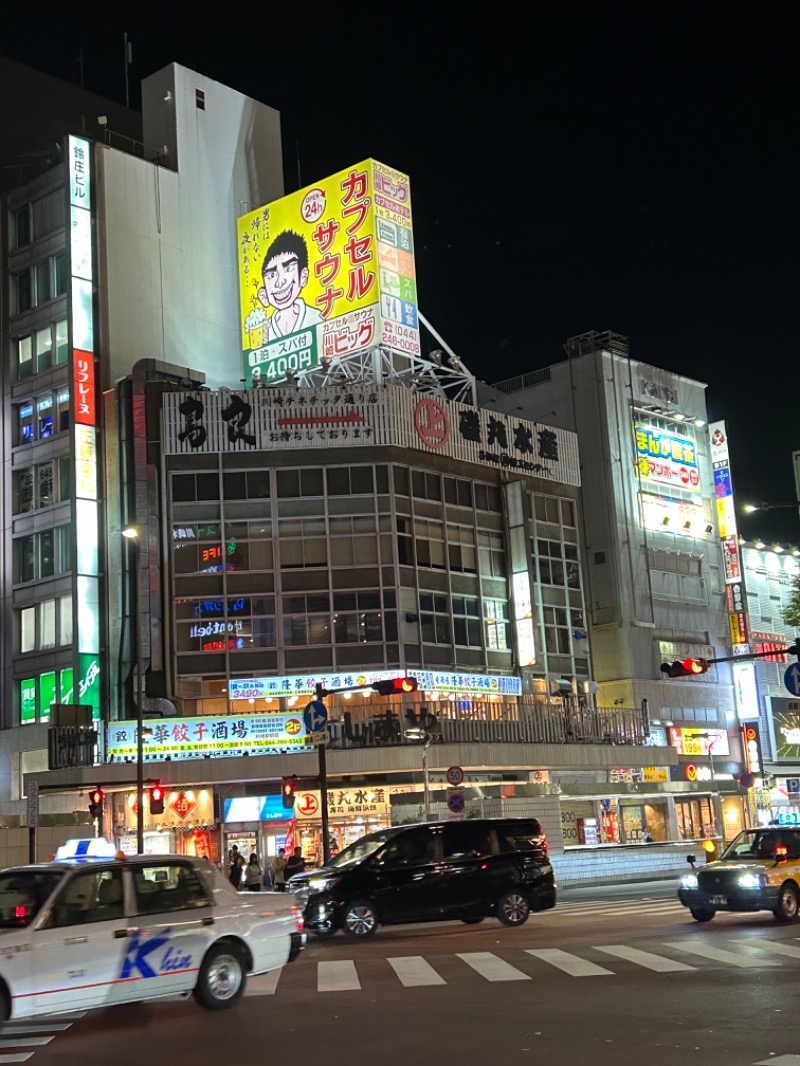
(791, 614)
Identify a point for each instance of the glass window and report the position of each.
(311, 482)
(64, 534)
(62, 341)
(400, 481)
(361, 481)
(288, 483)
(45, 494)
(24, 357)
(338, 481)
(47, 557)
(466, 841)
(44, 416)
(170, 886)
(44, 349)
(65, 620)
(47, 624)
(23, 893)
(22, 226)
(183, 488)
(25, 432)
(207, 487)
(59, 263)
(23, 292)
(24, 499)
(25, 559)
(234, 485)
(415, 847)
(27, 629)
(89, 896)
(62, 411)
(64, 477)
(42, 275)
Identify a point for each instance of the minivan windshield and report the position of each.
(23, 893)
(361, 849)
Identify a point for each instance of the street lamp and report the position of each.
(750, 508)
(417, 733)
(131, 534)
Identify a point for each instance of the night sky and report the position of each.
(574, 166)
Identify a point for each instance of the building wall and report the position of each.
(167, 234)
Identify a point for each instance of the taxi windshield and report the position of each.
(361, 849)
(23, 893)
(762, 844)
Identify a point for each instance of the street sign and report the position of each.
(456, 803)
(791, 679)
(322, 736)
(454, 776)
(793, 784)
(33, 804)
(315, 716)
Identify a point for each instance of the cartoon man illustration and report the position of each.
(285, 274)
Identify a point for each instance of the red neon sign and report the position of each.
(83, 386)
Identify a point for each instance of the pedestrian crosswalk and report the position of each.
(20, 1040)
(526, 964)
(657, 906)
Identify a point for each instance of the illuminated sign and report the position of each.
(255, 809)
(688, 741)
(27, 700)
(429, 681)
(771, 646)
(523, 619)
(745, 690)
(218, 737)
(751, 744)
(328, 271)
(83, 391)
(786, 730)
(682, 517)
(666, 458)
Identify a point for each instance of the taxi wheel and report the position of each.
(222, 977)
(513, 908)
(788, 906)
(701, 915)
(5, 1009)
(360, 919)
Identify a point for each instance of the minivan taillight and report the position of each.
(545, 845)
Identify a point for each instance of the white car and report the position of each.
(97, 932)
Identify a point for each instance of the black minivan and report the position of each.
(439, 871)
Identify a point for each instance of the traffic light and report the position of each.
(288, 790)
(396, 686)
(96, 798)
(685, 668)
(157, 799)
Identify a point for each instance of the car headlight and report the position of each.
(750, 881)
(689, 881)
(322, 884)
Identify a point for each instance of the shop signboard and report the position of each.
(654, 774)
(351, 416)
(666, 458)
(690, 741)
(429, 681)
(255, 809)
(183, 809)
(681, 517)
(786, 726)
(342, 803)
(217, 737)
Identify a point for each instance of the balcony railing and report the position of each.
(493, 723)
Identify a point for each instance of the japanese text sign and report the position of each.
(666, 458)
(225, 735)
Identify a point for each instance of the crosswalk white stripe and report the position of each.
(590, 904)
(773, 945)
(571, 964)
(27, 1041)
(707, 951)
(414, 972)
(644, 958)
(9, 1029)
(491, 967)
(337, 977)
(21, 1057)
(263, 984)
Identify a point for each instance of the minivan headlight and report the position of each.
(689, 881)
(322, 884)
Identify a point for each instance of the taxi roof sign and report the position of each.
(87, 848)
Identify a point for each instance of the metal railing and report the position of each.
(492, 723)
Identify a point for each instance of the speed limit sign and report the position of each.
(455, 775)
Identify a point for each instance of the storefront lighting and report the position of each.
(760, 544)
(778, 548)
(699, 422)
(348, 695)
(292, 701)
(251, 700)
(796, 553)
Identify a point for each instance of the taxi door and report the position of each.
(172, 926)
(75, 950)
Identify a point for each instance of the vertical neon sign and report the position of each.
(84, 409)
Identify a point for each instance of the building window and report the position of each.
(23, 292)
(429, 542)
(673, 562)
(434, 619)
(47, 624)
(495, 618)
(461, 553)
(303, 542)
(62, 342)
(293, 483)
(22, 226)
(51, 416)
(357, 617)
(556, 630)
(200, 99)
(27, 629)
(24, 357)
(44, 348)
(24, 496)
(65, 620)
(466, 622)
(558, 564)
(306, 620)
(26, 568)
(491, 555)
(44, 554)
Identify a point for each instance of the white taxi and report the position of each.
(99, 931)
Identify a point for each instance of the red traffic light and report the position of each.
(396, 685)
(685, 668)
(288, 790)
(96, 797)
(157, 799)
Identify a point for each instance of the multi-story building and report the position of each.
(656, 585)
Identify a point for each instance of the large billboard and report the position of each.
(328, 271)
(666, 458)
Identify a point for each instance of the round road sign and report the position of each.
(455, 775)
(456, 802)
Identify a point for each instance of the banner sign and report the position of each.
(196, 738)
(429, 681)
(351, 416)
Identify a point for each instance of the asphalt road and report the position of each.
(612, 977)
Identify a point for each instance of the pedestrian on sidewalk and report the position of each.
(278, 871)
(252, 874)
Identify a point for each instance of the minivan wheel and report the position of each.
(513, 908)
(360, 919)
(788, 905)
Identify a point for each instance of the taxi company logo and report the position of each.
(431, 423)
(293, 726)
(182, 806)
(136, 961)
(307, 803)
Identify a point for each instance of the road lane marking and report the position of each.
(491, 967)
(781, 1060)
(647, 959)
(571, 964)
(415, 972)
(773, 945)
(337, 977)
(263, 984)
(22, 1057)
(11, 1029)
(706, 951)
(27, 1041)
